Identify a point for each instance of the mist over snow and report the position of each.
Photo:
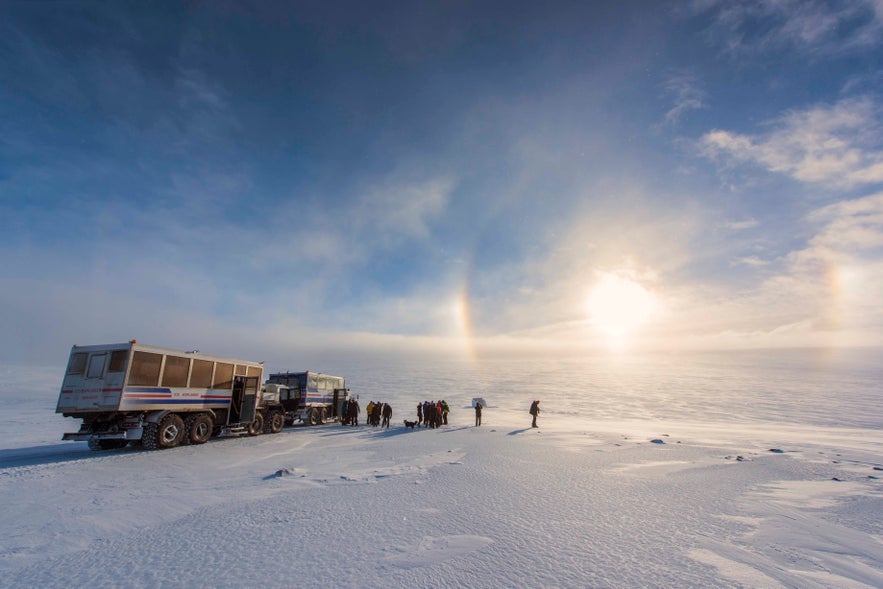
(702, 470)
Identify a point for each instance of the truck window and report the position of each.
(201, 376)
(223, 376)
(254, 371)
(175, 374)
(118, 361)
(145, 369)
(96, 366)
(78, 363)
(240, 370)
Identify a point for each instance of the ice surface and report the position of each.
(586, 500)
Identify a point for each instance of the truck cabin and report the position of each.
(290, 399)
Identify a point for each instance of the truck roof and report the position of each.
(160, 350)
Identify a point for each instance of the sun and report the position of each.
(617, 306)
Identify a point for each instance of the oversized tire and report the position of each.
(199, 429)
(275, 422)
(314, 416)
(256, 427)
(149, 440)
(321, 418)
(170, 432)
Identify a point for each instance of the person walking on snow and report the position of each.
(477, 413)
(534, 410)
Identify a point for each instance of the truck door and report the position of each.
(247, 404)
(290, 399)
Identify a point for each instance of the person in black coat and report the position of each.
(387, 413)
(534, 410)
(477, 413)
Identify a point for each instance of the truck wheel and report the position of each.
(149, 439)
(257, 426)
(170, 431)
(321, 418)
(275, 423)
(314, 416)
(199, 429)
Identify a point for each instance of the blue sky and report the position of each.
(465, 176)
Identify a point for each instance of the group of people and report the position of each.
(379, 414)
(431, 414)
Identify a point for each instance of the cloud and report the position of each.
(837, 145)
(753, 261)
(825, 293)
(851, 225)
(686, 94)
(402, 208)
(745, 27)
(741, 225)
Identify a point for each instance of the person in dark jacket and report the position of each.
(534, 410)
(419, 413)
(387, 413)
(477, 413)
(375, 415)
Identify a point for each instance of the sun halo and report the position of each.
(618, 306)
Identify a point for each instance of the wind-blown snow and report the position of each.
(644, 472)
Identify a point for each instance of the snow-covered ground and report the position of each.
(707, 471)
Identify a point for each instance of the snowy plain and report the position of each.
(747, 469)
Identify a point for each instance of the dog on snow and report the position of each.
(410, 424)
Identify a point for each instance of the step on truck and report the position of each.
(162, 398)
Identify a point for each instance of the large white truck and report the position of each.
(162, 398)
